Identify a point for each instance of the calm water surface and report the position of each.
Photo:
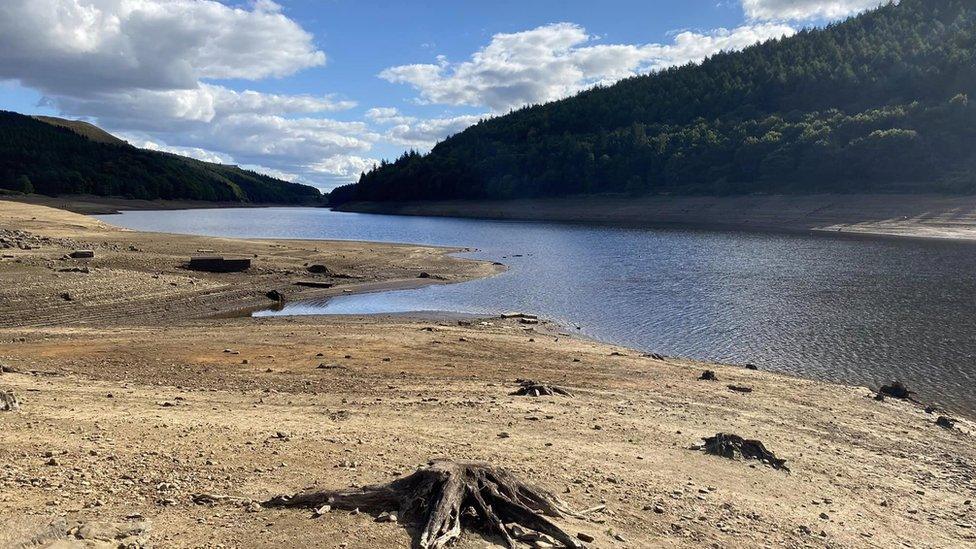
(856, 311)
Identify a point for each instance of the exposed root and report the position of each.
(536, 389)
(446, 495)
(897, 390)
(733, 446)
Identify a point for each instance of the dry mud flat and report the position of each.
(124, 423)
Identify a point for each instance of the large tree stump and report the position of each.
(446, 495)
(733, 446)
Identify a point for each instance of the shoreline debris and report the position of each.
(447, 496)
(733, 446)
(536, 389)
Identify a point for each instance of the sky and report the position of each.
(317, 91)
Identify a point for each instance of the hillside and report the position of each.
(877, 103)
(84, 129)
(53, 156)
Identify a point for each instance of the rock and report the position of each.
(318, 269)
(586, 538)
(945, 422)
(66, 296)
(275, 295)
(386, 517)
(751, 367)
(253, 507)
(739, 389)
(324, 510)
(708, 375)
(424, 275)
(82, 254)
(824, 516)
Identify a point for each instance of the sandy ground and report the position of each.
(125, 417)
(925, 216)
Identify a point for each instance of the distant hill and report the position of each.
(882, 102)
(53, 156)
(84, 129)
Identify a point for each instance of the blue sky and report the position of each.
(318, 90)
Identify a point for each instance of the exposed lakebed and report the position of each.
(859, 311)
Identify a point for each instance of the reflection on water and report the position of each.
(850, 310)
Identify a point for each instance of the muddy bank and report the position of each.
(925, 216)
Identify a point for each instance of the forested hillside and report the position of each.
(877, 103)
(39, 156)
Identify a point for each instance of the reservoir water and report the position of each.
(858, 311)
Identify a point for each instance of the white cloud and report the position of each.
(423, 134)
(800, 10)
(554, 61)
(345, 167)
(69, 47)
(142, 68)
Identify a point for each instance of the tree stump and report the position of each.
(536, 389)
(897, 390)
(708, 375)
(447, 495)
(8, 402)
(733, 446)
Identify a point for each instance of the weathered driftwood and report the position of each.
(733, 446)
(527, 387)
(218, 264)
(8, 402)
(898, 390)
(739, 389)
(447, 495)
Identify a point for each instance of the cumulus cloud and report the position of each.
(70, 47)
(800, 10)
(145, 68)
(554, 61)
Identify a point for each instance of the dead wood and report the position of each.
(739, 389)
(733, 446)
(446, 496)
(536, 389)
(8, 402)
(897, 390)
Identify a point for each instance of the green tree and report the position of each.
(24, 185)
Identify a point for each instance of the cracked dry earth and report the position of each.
(124, 422)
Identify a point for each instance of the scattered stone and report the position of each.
(586, 538)
(386, 516)
(319, 269)
(733, 446)
(67, 296)
(945, 422)
(751, 367)
(708, 375)
(424, 275)
(275, 295)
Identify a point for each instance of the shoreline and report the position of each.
(931, 217)
(135, 398)
(103, 205)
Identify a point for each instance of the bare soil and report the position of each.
(134, 399)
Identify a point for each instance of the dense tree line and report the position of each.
(877, 103)
(39, 157)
